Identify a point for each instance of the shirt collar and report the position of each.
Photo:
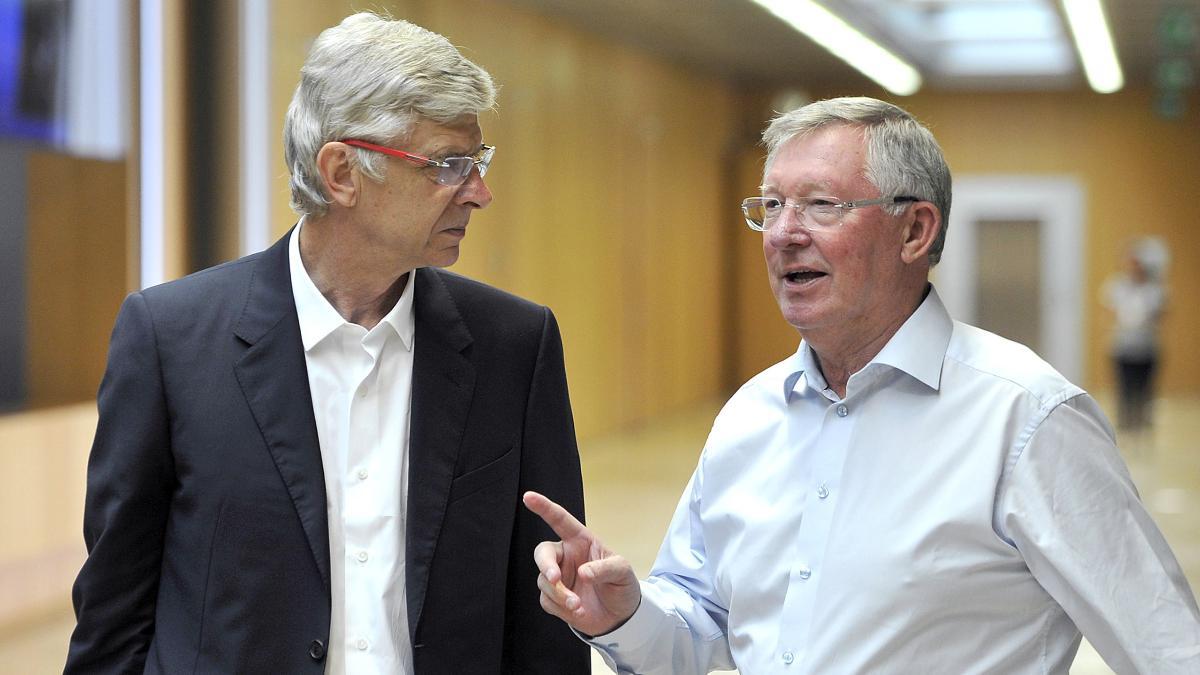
(400, 318)
(318, 318)
(804, 367)
(918, 348)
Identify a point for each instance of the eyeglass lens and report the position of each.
(456, 169)
(761, 212)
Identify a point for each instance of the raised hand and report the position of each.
(582, 582)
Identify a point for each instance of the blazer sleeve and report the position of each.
(537, 642)
(129, 483)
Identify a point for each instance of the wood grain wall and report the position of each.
(76, 261)
(614, 205)
(610, 184)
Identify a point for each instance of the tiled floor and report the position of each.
(634, 479)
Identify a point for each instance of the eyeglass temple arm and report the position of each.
(880, 200)
(416, 159)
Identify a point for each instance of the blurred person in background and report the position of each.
(1137, 299)
(311, 459)
(903, 494)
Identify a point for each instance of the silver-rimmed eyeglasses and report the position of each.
(815, 212)
(452, 171)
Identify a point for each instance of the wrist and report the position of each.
(615, 626)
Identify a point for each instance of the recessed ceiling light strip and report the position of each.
(847, 43)
(1093, 41)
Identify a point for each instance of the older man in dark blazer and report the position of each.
(311, 459)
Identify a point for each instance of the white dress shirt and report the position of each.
(361, 383)
(962, 510)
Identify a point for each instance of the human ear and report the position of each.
(338, 173)
(921, 231)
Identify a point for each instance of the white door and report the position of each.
(1013, 262)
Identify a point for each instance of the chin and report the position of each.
(444, 259)
(799, 316)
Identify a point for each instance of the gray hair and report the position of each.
(372, 78)
(903, 158)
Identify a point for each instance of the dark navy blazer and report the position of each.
(205, 519)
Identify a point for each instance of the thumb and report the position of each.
(612, 569)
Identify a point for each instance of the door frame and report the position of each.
(1057, 202)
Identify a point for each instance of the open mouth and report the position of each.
(803, 276)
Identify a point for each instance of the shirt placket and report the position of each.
(359, 508)
(820, 475)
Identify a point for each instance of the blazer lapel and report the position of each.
(443, 383)
(273, 376)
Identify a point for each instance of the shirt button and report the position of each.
(842, 410)
(804, 572)
(362, 474)
(362, 556)
(362, 392)
(788, 657)
(361, 644)
(822, 491)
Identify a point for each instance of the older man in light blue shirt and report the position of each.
(904, 494)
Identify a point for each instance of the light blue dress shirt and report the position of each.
(963, 509)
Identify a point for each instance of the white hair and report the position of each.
(903, 158)
(372, 78)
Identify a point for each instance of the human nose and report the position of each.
(474, 192)
(788, 229)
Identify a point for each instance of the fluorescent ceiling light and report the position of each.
(847, 43)
(1094, 42)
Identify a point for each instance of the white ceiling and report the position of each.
(1014, 45)
(973, 43)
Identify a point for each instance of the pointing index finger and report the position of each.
(559, 519)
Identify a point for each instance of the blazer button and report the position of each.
(316, 650)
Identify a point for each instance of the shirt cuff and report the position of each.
(640, 629)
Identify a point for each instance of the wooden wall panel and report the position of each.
(77, 261)
(764, 337)
(609, 185)
(619, 232)
(174, 141)
(294, 26)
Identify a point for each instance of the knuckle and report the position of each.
(549, 606)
